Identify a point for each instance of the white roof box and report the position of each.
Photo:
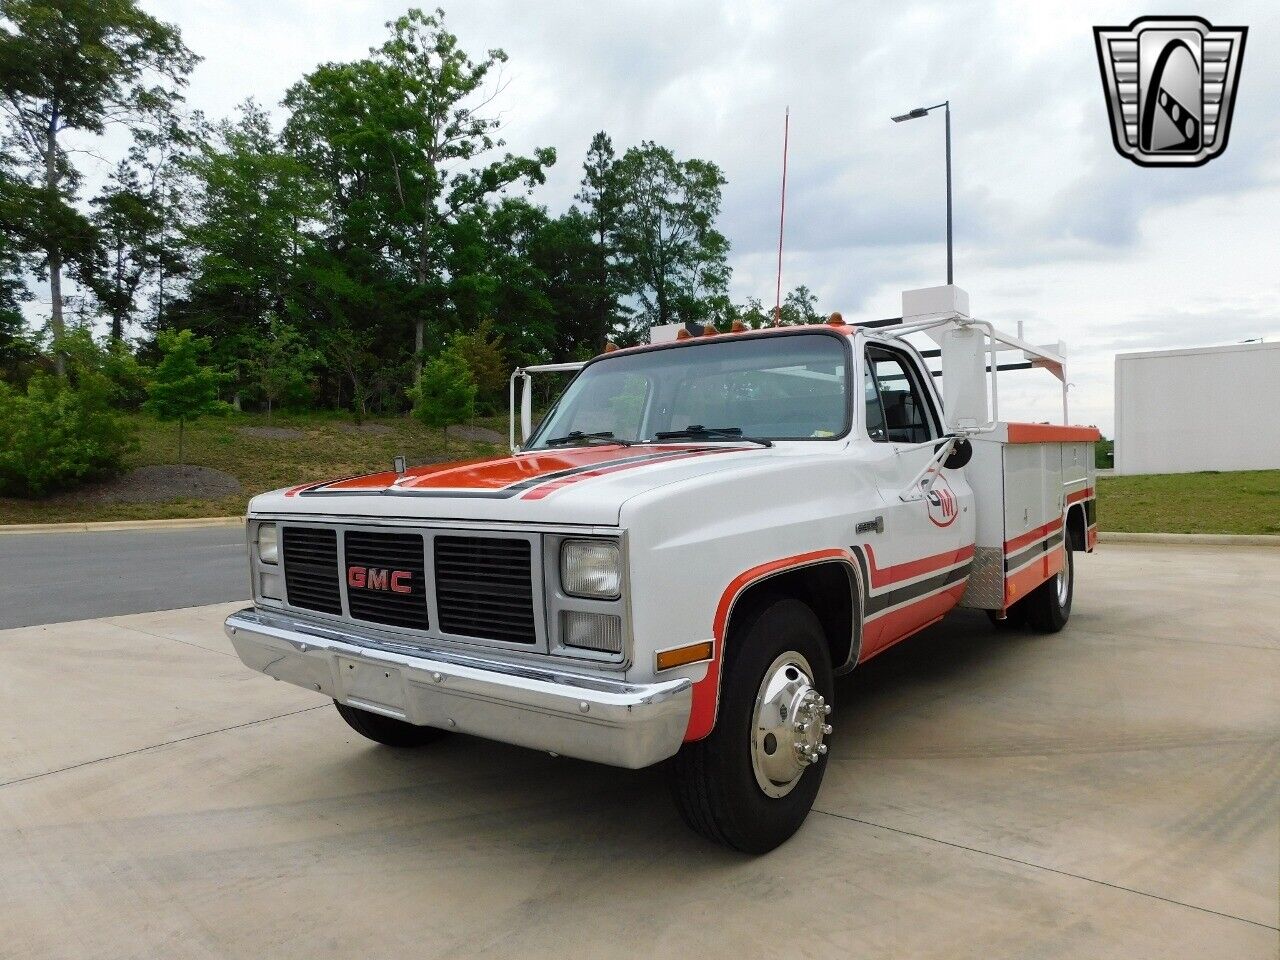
(934, 303)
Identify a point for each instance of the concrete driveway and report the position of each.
(1113, 791)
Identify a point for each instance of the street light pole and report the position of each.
(945, 106)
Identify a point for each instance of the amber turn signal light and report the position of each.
(682, 656)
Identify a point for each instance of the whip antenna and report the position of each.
(782, 218)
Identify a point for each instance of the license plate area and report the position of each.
(369, 685)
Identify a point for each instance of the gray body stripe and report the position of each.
(1015, 560)
(878, 602)
(913, 591)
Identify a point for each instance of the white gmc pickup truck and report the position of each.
(699, 536)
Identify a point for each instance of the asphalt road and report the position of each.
(1112, 791)
(56, 577)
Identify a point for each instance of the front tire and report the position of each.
(751, 783)
(387, 730)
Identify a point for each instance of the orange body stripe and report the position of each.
(882, 576)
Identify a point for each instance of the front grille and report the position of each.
(484, 588)
(384, 597)
(311, 569)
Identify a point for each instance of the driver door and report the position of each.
(918, 568)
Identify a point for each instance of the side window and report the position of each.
(875, 412)
(905, 414)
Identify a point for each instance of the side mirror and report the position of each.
(961, 453)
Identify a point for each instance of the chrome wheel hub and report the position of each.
(788, 726)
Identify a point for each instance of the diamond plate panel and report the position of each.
(986, 580)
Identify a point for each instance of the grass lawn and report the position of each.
(325, 451)
(1244, 502)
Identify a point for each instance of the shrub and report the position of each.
(55, 436)
(446, 391)
(183, 389)
(482, 349)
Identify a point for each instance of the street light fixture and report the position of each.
(915, 114)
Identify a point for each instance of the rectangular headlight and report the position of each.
(268, 549)
(591, 568)
(591, 631)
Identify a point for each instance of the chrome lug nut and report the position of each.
(826, 711)
(822, 749)
(826, 729)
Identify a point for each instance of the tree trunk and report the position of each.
(52, 252)
(268, 410)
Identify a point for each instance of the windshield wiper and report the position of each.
(698, 431)
(580, 439)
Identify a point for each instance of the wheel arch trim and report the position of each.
(706, 692)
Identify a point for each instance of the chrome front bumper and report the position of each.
(593, 718)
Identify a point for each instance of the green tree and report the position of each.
(483, 353)
(279, 363)
(350, 352)
(445, 393)
(397, 137)
(598, 192)
(671, 256)
(248, 233)
(183, 388)
(76, 65)
(136, 217)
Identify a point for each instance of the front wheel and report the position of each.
(387, 730)
(751, 783)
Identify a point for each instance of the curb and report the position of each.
(1193, 539)
(109, 526)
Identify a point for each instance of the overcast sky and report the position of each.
(1052, 226)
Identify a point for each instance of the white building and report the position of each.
(1205, 408)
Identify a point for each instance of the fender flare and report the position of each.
(706, 692)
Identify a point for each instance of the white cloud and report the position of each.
(1052, 227)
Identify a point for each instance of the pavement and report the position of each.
(54, 577)
(1109, 792)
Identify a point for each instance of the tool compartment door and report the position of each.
(1033, 516)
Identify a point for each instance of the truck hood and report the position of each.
(583, 485)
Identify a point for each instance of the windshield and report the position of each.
(788, 387)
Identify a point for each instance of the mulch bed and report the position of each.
(158, 483)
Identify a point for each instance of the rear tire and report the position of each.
(1049, 605)
(387, 730)
(751, 783)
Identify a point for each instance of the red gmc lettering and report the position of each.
(375, 578)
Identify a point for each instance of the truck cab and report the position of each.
(698, 537)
